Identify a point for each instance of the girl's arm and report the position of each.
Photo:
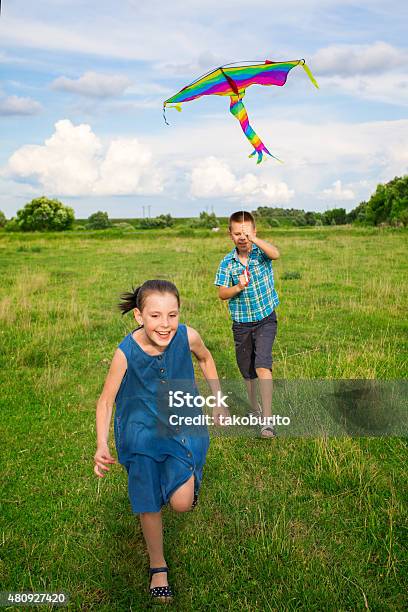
(104, 409)
(208, 367)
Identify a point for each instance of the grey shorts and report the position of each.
(253, 344)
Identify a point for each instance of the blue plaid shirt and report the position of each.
(259, 298)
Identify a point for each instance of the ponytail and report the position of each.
(128, 300)
(137, 297)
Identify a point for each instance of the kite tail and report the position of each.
(238, 109)
(176, 106)
(309, 73)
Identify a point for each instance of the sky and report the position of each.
(83, 83)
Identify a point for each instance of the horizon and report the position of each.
(81, 105)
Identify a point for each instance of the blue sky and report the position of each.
(83, 83)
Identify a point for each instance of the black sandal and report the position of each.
(162, 594)
(195, 501)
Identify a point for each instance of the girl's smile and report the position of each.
(160, 318)
(164, 335)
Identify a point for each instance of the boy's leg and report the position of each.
(252, 397)
(265, 388)
(152, 528)
(264, 339)
(245, 356)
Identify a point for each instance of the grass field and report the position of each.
(289, 524)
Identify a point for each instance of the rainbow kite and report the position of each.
(232, 80)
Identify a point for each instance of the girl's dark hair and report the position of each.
(137, 297)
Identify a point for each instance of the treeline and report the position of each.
(387, 206)
(44, 214)
(275, 217)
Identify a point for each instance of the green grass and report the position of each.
(292, 524)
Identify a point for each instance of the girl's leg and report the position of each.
(182, 498)
(152, 528)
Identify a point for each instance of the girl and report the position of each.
(161, 468)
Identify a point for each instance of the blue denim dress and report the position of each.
(158, 457)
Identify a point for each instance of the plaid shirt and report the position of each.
(259, 298)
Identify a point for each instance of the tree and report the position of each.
(399, 200)
(266, 211)
(358, 214)
(43, 214)
(300, 220)
(12, 225)
(378, 207)
(388, 204)
(403, 218)
(99, 220)
(208, 220)
(335, 216)
(310, 218)
(156, 222)
(3, 219)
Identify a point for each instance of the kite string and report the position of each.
(247, 273)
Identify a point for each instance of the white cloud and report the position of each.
(146, 88)
(188, 34)
(127, 168)
(93, 84)
(371, 72)
(212, 177)
(130, 106)
(389, 88)
(337, 192)
(180, 31)
(206, 60)
(316, 153)
(75, 162)
(114, 37)
(347, 60)
(15, 105)
(6, 58)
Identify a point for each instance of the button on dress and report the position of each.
(158, 457)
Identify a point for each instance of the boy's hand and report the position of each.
(219, 411)
(243, 282)
(249, 233)
(102, 458)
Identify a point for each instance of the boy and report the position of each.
(245, 278)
